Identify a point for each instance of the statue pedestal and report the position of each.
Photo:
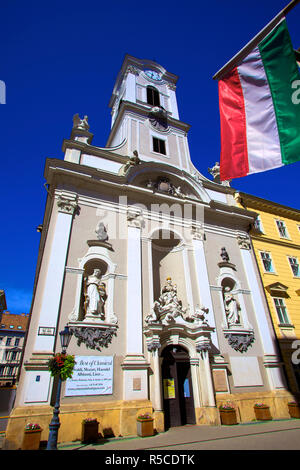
(90, 318)
(94, 335)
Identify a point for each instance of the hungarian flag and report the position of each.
(259, 109)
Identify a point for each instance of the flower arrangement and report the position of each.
(89, 420)
(227, 407)
(293, 403)
(145, 416)
(62, 365)
(32, 427)
(260, 405)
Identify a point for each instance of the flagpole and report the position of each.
(256, 40)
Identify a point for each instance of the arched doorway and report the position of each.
(178, 400)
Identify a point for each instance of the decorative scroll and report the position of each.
(94, 337)
(240, 341)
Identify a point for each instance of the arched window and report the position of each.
(152, 96)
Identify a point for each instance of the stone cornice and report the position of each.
(265, 205)
(62, 168)
(283, 242)
(208, 184)
(143, 111)
(87, 149)
(233, 210)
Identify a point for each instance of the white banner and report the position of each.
(93, 375)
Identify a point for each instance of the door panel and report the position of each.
(178, 397)
(170, 394)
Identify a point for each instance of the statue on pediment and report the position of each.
(80, 123)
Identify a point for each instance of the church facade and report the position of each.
(150, 265)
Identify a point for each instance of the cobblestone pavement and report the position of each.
(271, 435)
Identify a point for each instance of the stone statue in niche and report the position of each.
(232, 308)
(95, 295)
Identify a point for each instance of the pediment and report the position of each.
(278, 289)
(161, 177)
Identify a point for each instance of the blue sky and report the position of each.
(59, 58)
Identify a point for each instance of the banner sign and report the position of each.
(169, 388)
(93, 375)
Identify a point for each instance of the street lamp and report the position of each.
(65, 337)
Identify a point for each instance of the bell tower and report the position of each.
(145, 115)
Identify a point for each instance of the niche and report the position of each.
(167, 261)
(93, 290)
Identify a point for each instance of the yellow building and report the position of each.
(276, 242)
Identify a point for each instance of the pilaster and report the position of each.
(134, 366)
(203, 280)
(67, 204)
(271, 358)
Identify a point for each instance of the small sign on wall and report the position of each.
(169, 388)
(46, 331)
(220, 380)
(136, 384)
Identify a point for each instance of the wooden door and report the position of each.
(178, 397)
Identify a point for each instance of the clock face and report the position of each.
(152, 74)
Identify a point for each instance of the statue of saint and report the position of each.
(95, 294)
(232, 307)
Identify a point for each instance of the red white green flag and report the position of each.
(259, 112)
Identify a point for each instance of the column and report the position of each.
(188, 282)
(271, 358)
(150, 271)
(56, 269)
(203, 282)
(173, 101)
(135, 386)
(130, 92)
(134, 288)
(37, 383)
(206, 380)
(157, 397)
(194, 362)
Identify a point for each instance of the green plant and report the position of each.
(90, 420)
(62, 365)
(260, 405)
(145, 416)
